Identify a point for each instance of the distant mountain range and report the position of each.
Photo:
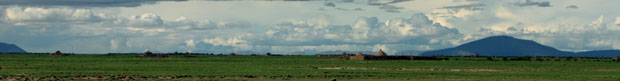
(510, 46)
(408, 53)
(490, 46)
(599, 53)
(10, 48)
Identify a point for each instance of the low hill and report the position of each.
(10, 48)
(600, 53)
(500, 46)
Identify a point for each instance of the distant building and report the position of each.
(267, 54)
(358, 56)
(380, 53)
(58, 53)
(382, 56)
(150, 54)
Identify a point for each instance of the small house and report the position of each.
(58, 53)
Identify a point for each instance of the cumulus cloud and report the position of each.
(62, 26)
(365, 30)
(618, 21)
(223, 41)
(147, 19)
(113, 45)
(37, 16)
(446, 14)
(30, 15)
(570, 37)
(441, 26)
(368, 32)
(82, 3)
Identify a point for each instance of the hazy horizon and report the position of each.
(117, 26)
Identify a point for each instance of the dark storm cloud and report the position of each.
(572, 6)
(534, 3)
(330, 4)
(398, 1)
(391, 8)
(82, 3)
(358, 9)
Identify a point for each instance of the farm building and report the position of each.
(382, 56)
(267, 54)
(333, 55)
(380, 53)
(150, 54)
(58, 53)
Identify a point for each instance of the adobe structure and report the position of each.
(382, 56)
(58, 53)
(380, 53)
(333, 55)
(267, 54)
(150, 54)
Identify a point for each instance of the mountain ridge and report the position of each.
(10, 48)
(509, 46)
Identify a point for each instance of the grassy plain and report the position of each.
(295, 68)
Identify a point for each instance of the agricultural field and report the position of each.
(299, 68)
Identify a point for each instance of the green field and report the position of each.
(294, 68)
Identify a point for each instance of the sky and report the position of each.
(291, 27)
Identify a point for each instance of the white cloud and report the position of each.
(445, 23)
(183, 23)
(618, 21)
(190, 45)
(147, 19)
(446, 14)
(135, 33)
(223, 41)
(366, 33)
(50, 16)
(569, 37)
(113, 45)
(81, 3)
(37, 16)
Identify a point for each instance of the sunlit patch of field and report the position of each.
(296, 68)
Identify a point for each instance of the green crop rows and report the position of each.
(296, 68)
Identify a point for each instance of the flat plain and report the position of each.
(297, 68)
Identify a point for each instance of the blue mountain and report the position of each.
(600, 53)
(500, 46)
(10, 48)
